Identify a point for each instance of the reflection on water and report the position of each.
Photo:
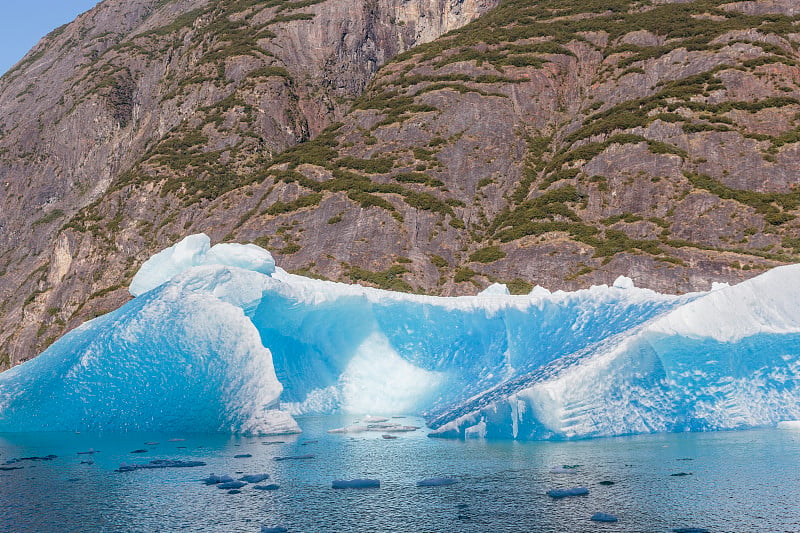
(735, 481)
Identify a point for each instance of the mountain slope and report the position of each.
(553, 142)
(193, 95)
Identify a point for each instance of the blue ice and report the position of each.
(218, 339)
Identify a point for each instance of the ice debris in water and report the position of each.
(21, 459)
(437, 482)
(566, 493)
(265, 529)
(355, 483)
(370, 419)
(202, 345)
(271, 486)
(214, 479)
(228, 485)
(294, 457)
(691, 530)
(603, 517)
(254, 478)
(564, 469)
(159, 463)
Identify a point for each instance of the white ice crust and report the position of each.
(196, 250)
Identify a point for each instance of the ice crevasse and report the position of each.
(220, 339)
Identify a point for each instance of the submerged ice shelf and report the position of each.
(219, 339)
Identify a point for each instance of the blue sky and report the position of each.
(24, 22)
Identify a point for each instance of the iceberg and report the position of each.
(219, 339)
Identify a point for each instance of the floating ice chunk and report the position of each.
(624, 282)
(159, 463)
(495, 289)
(564, 469)
(369, 419)
(214, 479)
(243, 456)
(231, 485)
(437, 482)
(566, 493)
(603, 517)
(265, 529)
(21, 459)
(254, 478)
(355, 484)
(271, 486)
(690, 530)
(294, 457)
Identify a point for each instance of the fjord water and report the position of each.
(736, 481)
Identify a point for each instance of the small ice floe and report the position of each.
(793, 425)
(90, 462)
(265, 529)
(139, 451)
(176, 440)
(234, 491)
(308, 442)
(606, 482)
(349, 429)
(681, 474)
(690, 530)
(254, 478)
(7, 468)
(437, 482)
(243, 456)
(355, 484)
(159, 463)
(295, 457)
(389, 437)
(564, 469)
(566, 493)
(231, 485)
(90, 452)
(271, 486)
(273, 442)
(214, 479)
(151, 444)
(375, 419)
(21, 459)
(395, 429)
(379, 427)
(603, 517)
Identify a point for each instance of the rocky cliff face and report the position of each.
(153, 108)
(553, 142)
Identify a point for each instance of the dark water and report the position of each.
(740, 482)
